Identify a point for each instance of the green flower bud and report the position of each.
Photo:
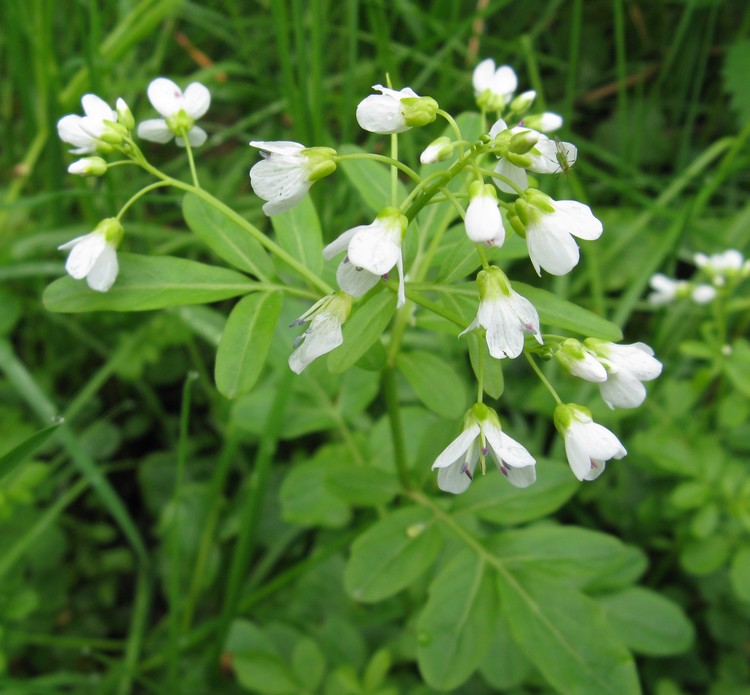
(523, 142)
(111, 229)
(124, 115)
(419, 111)
(320, 162)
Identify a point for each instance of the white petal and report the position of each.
(401, 282)
(576, 219)
(578, 456)
(380, 113)
(84, 255)
(97, 108)
(588, 368)
(196, 136)
(549, 122)
(498, 127)
(279, 177)
(637, 358)
(527, 315)
(376, 248)
(483, 221)
(155, 130)
(597, 468)
(104, 271)
(622, 390)
(457, 448)
(520, 477)
(323, 335)
(454, 478)
(507, 449)
(341, 242)
(599, 442)
(556, 252)
(275, 207)
(504, 81)
(282, 147)
(504, 334)
(353, 281)
(514, 174)
(482, 75)
(69, 130)
(165, 96)
(196, 100)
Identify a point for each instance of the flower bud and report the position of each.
(88, 166)
(124, 115)
(546, 122)
(320, 162)
(522, 102)
(437, 151)
(419, 111)
(523, 142)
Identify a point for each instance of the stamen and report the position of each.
(485, 451)
(299, 339)
(465, 469)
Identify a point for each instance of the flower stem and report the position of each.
(390, 161)
(397, 432)
(541, 376)
(189, 151)
(139, 194)
(454, 127)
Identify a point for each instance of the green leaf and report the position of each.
(739, 574)
(504, 666)
(555, 311)
(737, 366)
(363, 329)
(149, 282)
(372, 180)
(391, 554)
(25, 450)
(735, 72)
(647, 622)
(706, 555)
(565, 635)
(305, 498)
(298, 232)
(491, 497)
(226, 237)
(265, 673)
(361, 485)
(456, 626)
(492, 369)
(435, 382)
(572, 555)
(309, 664)
(245, 341)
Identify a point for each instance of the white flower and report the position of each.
(627, 366)
(483, 221)
(287, 171)
(505, 314)
(493, 87)
(94, 255)
(482, 435)
(84, 131)
(529, 150)
(703, 294)
(587, 445)
(580, 362)
(372, 251)
(394, 111)
(665, 289)
(550, 228)
(180, 111)
(324, 333)
(721, 267)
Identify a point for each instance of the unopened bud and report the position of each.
(88, 166)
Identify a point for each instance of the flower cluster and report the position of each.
(722, 272)
(499, 199)
(103, 130)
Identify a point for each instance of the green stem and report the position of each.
(542, 378)
(397, 434)
(454, 127)
(390, 161)
(189, 151)
(394, 171)
(140, 194)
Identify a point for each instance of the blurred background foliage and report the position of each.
(112, 582)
